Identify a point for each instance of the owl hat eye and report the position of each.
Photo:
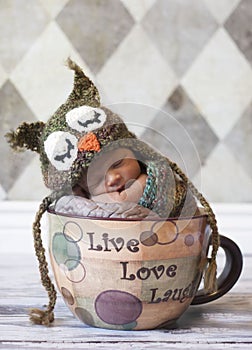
(85, 118)
(61, 149)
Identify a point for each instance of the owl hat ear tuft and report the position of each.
(84, 91)
(26, 136)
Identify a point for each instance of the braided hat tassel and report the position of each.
(38, 316)
(210, 278)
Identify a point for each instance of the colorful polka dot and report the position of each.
(148, 238)
(129, 326)
(118, 307)
(84, 315)
(65, 251)
(189, 240)
(67, 295)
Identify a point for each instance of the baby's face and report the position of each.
(112, 172)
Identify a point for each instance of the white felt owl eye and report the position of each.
(85, 118)
(61, 149)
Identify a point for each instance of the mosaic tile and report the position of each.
(179, 28)
(190, 136)
(51, 81)
(239, 140)
(239, 27)
(21, 22)
(95, 28)
(138, 8)
(53, 7)
(36, 189)
(222, 179)
(221, 9)
(216, 86)
(143, 80)
(13, 111)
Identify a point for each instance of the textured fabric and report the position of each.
(80, 206)
(165, 193)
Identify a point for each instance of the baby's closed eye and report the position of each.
(117, 164)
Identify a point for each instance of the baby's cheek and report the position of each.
(97, 189)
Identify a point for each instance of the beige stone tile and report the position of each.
(95, 28)
(137, 72)
(138, 8)
(29, 185)
(13, 111)
(21, 22)
(53, 7)
(239, 140)
(42, 76)
(3, 76)
(223, 179)
(238, 25)
(221, 9)
(217, 86)
(190, 137)
(179, 29)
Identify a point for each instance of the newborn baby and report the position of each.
(115, 176)
(111, 187)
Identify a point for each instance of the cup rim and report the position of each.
(97, 218)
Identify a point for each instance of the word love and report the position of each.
(146, 272)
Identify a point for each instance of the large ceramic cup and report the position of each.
(127, 274)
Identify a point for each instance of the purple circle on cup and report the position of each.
(189, 240)
(118, 307)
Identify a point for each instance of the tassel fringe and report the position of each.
(210, 279)
(41, 317)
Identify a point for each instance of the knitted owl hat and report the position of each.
(77, 132)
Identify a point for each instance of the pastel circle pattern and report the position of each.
(189, 240)
(65, 251)
(84, 316)
(67, 295)
(118, 307)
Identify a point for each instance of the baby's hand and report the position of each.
(131, 194)
(134, 192)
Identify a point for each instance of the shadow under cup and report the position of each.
(132, 275)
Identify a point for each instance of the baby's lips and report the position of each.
(116, 188)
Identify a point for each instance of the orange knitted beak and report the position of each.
(89, 142)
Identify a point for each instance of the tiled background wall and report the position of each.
(180, 68)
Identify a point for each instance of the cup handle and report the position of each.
(229, 276)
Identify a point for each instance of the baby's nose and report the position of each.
(113, 178)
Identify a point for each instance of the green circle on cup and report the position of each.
(65, 251)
